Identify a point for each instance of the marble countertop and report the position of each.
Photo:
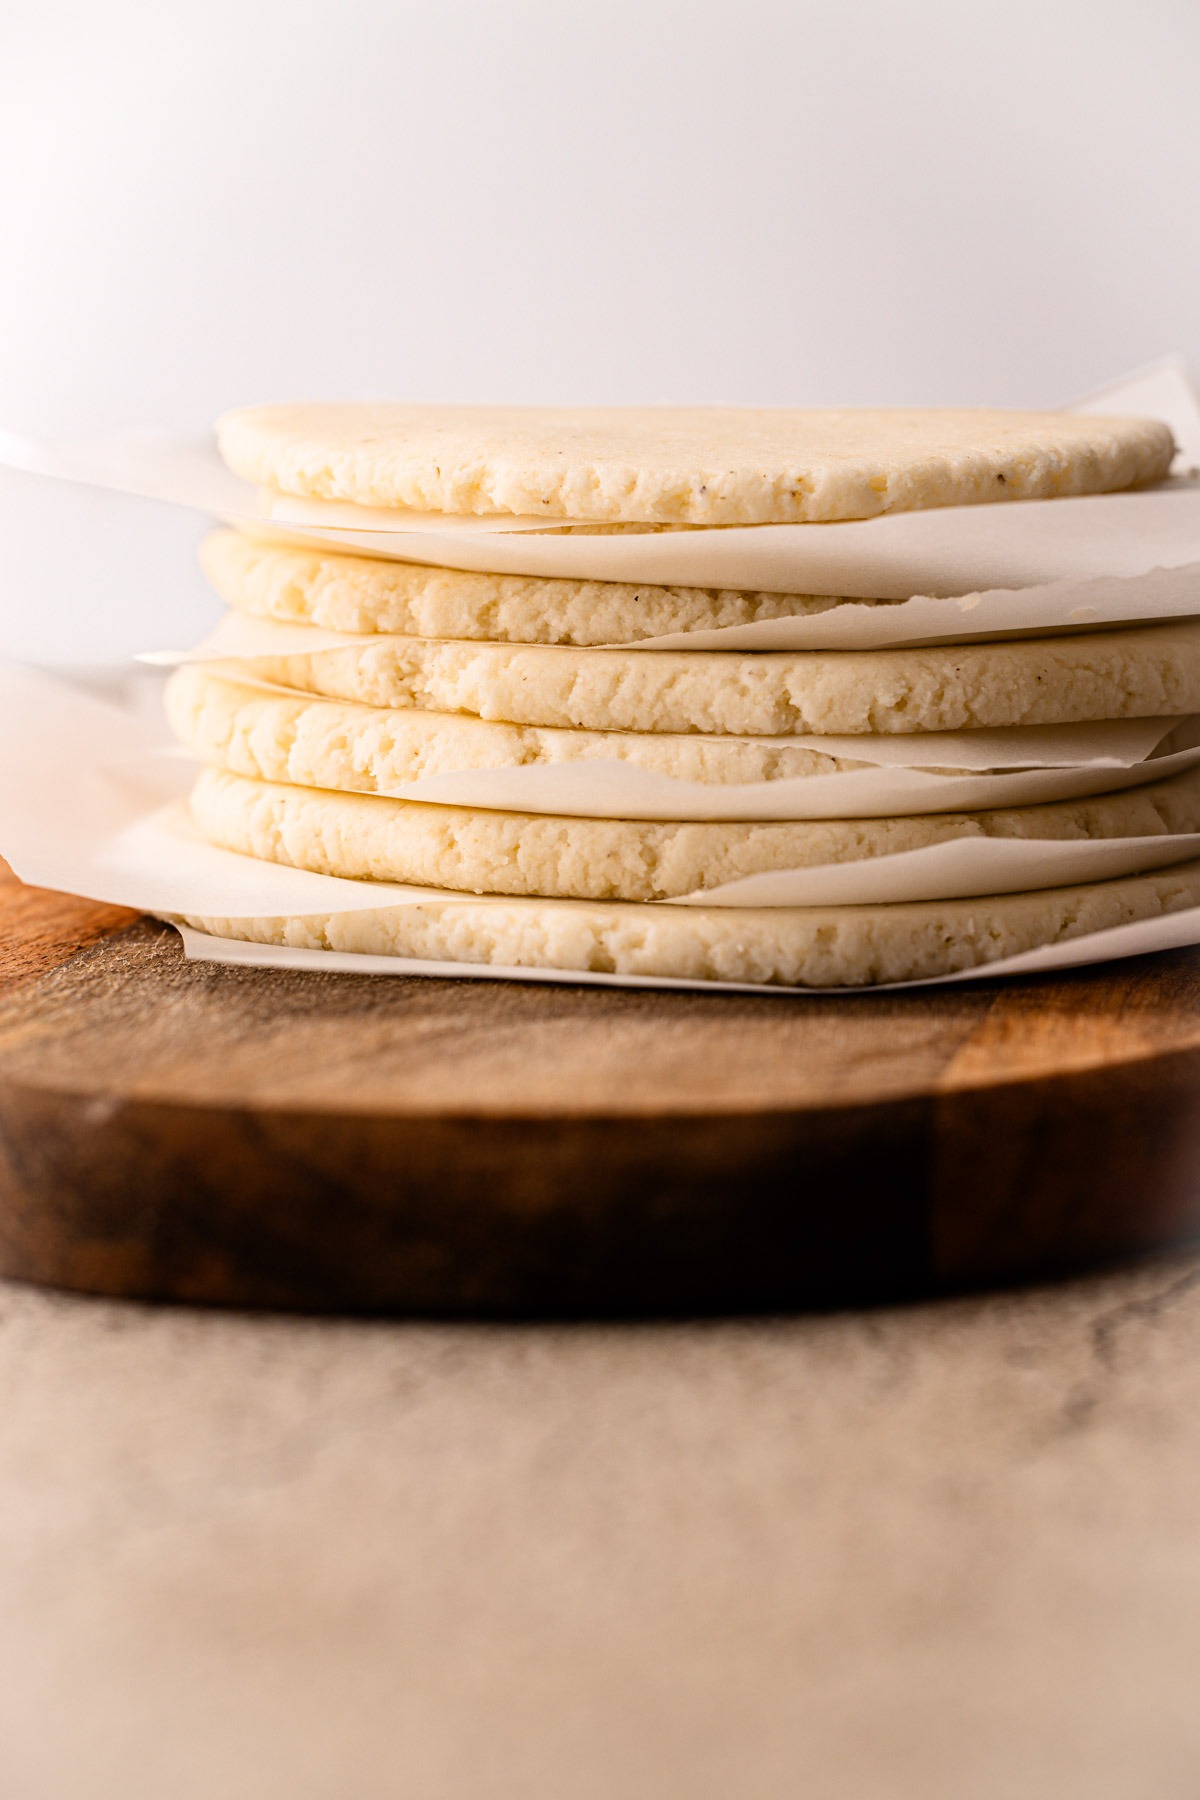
(937, 1551)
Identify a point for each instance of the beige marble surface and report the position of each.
(946, 1551)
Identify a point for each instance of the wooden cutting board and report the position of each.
(202, 1133)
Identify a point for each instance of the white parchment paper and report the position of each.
(921, 772)
(99, 813)
(607, 790)
(949, 551)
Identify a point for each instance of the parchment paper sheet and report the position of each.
(943, 552)
(1062, 606)
(960, 550)
(1020, 766)
(98, 813)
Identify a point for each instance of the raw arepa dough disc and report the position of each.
(343, 744)
(1140, 672)
(844, 946)
(298, 586)
(368, 837)
(698, 465)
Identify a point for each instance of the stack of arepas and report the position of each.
(452, 670)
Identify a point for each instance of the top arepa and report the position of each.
(699, 465)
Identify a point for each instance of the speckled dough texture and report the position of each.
(684, 466)
(478, 851)
(373, 749)
(1132, 673)
(360, 593)
(848, 946)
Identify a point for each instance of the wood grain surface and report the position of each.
(330, 1142)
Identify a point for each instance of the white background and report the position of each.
(200, 206)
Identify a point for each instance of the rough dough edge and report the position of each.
(268, 578)
(367, 837)
(826, 947)
(480, 460)
(1131, 672)
(269, 733)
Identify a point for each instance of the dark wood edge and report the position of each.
(473, 1214)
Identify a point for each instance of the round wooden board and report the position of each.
(202, 1133)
